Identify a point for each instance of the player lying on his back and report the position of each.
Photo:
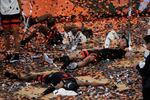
(93, 55)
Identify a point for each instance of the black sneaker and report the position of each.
(8, 56)
(22, 44)
(11, 75)
(7, 74)
(15, 58)
(56, 60)
(1, 64)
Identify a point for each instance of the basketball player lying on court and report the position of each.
(54, 80)
(93, 55)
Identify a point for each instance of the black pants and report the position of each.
(146, 93)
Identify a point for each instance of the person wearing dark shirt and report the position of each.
(50, 31)
(93, 55)
(64, 80)
(53, 80)
(144, 70)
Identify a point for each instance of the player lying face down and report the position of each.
(54, 81)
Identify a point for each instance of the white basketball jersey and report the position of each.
(9, 7)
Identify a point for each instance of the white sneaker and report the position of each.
(72, 66)
(64, 92)
(47, 59)
(74, 47)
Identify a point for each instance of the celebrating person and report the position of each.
(111, 36)
(93, 55)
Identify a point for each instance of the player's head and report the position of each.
(51, 22)
(123, 42)
(87, 32)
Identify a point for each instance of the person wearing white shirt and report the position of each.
(79, 38)
(143, 5)
(10, 21)
(9, 7)
(68, 37)
(112, 35)
(82, 37)
(10, 13)
(74, 36)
